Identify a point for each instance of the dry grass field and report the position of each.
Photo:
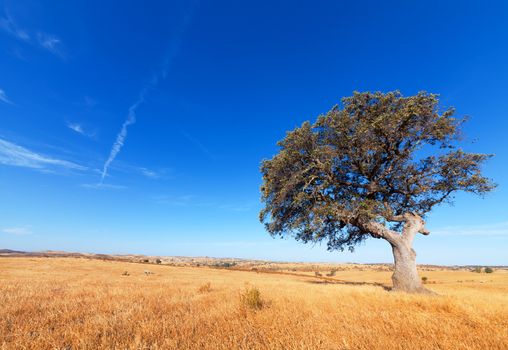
(72, 303)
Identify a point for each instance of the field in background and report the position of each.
(77, 303)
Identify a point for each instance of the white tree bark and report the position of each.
(405, 276)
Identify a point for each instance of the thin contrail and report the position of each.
(120, 138)
(131, 117)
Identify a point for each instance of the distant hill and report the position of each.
(9, 251)
(224, 263)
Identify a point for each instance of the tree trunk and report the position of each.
(405, 276)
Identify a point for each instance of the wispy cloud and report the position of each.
(77, 127)
(95, 186)
(17, 231)
(120, 166)
(39, 38)
(198, 144)
(47, 41)
(150, 173)
(8, 25)
(494, 229)
(51, 43)
(172, 52)
(4, 98)
(15, 155)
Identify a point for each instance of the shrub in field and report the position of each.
(424, 279)
(332, 273)
(251, 299)
(317, 274)
(477, 269)
(125, 273)
(205, 288)
(488, 270)
(225, 265)
(158, 261)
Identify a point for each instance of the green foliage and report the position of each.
(357, 165)
(488, 270)
(332, 273)
(225, 265)
(477, 269)
(251, 298)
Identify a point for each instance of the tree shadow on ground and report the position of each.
(351, 283)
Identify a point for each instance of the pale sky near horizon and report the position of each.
(139, 127)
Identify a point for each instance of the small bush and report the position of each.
(205, 288)
(125, 273)
(225, 265)
(158, 261)
(317, 274)
(332, 273)
(488, 270)
(251, 298)
(424, 279)
(477, 269)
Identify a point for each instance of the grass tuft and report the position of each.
(205, 288)
(251, 299)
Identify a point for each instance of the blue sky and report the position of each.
(173, 105)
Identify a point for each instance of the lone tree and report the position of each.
(374, 168)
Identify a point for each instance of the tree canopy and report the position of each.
(373, 161)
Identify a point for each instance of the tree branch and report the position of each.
(381, 231)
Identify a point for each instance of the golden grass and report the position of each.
(69, 303)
